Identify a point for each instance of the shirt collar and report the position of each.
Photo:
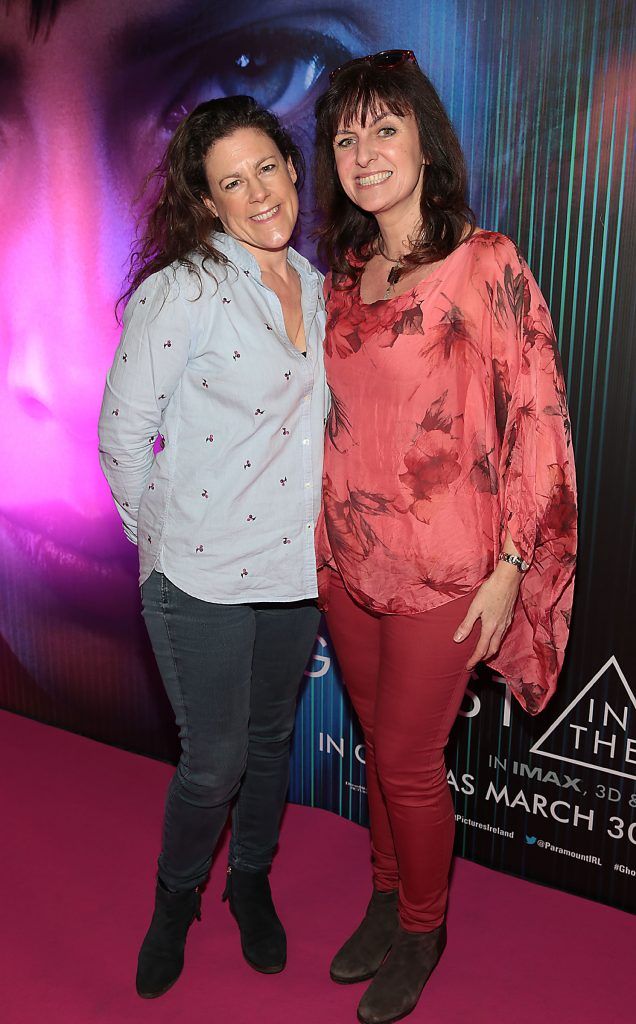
(243, 259)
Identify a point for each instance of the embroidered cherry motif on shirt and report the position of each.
(167, 344)
(209, 438)
(246, 465)
(149, 539)
(198, 548)
(285, 432)
(126, 504)
(269, 328)
(286, 540)
(159, 397)
(151, 440)
(251, 519)
(247, 273)
(244, 572)
(204, 494)
(226, 302)
(151, 487)
(115, 462)
(124, 358)
(283, 481)
(204, 382)
(288, 375)
(259, 412)
(237, 355)
(143, 301)
(115, 412)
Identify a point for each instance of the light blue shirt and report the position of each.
(227, 507)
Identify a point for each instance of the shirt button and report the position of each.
(309, 526)
(308, 485)
(305, 440)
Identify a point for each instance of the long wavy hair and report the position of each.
(177, 225)
(348, 236)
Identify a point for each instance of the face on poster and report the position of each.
(87, 106)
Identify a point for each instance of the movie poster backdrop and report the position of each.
(540, 95)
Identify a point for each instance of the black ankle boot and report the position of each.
(397, 986)
(263, 939)
(363, 953)
(161, 955)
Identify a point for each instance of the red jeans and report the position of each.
(406, 678)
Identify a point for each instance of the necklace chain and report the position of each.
(300, 324)
(302, 319)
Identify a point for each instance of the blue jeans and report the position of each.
(232, 674)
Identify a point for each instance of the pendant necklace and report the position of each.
(393, 277)
(395, 272)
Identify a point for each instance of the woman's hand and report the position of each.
(494, 604)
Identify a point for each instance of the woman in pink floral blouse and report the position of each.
(448, 530)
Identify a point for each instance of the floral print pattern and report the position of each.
(448, 428)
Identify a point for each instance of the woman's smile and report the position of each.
(267, 215)
(369, 180)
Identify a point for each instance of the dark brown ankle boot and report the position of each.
(363, 953)
(397, 986)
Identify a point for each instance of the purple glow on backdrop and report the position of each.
(86, 111)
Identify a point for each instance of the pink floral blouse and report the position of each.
(448, 427)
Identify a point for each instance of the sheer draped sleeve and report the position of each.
(537, 479)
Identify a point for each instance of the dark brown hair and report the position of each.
(177, 224)
(347, 236)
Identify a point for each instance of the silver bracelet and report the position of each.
(515, 560)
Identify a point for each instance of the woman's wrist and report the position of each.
(506, 571)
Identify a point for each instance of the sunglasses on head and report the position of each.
(382, 61)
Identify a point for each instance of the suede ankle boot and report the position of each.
(263, 939)
(161, 955)
(397, 986)
(362, 954)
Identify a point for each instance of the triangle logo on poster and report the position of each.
(597, 730)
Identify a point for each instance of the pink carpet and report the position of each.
(80, 832)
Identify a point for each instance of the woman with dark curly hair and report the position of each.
(448, 529)
(221, 362)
